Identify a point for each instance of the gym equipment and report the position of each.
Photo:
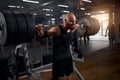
(3, 32)
(11, 27)
(8, 68)
(23, 65)
(19, 28)
(30, 26)
(16, 27)
(91, 24)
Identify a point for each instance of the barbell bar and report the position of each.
(19, 27)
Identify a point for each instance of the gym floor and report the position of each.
(101, 62)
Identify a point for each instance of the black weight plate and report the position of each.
(3, 29)
(30, 26)
(11, 27)
(22, 27)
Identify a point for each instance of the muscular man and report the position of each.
(62, 59)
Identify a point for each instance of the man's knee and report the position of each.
(67, 74)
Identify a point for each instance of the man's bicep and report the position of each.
(54, 31)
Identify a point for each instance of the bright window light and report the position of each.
(102, 11)
(103, 19)
(87, 14)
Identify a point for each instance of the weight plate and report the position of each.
(91, 25)
(81, 30)
(11, 27)
(30, 26)
(3, 30)
(22, 27)
(85, 21)
(97, 25)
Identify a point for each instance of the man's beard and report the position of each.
(70, 27)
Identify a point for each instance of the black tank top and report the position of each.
(61, 45)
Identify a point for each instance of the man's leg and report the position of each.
(55, 78)
(68, 77)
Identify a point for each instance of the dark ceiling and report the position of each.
(53, 5)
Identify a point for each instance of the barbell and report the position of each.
(89, 25)
(3, 32)
(18, 27)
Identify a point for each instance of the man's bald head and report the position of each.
(69, 20)
(69, 16)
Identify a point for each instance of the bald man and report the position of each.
(62, 59)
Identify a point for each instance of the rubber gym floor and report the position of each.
(101, 63)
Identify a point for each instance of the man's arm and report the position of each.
(53, 31)
(74, 27)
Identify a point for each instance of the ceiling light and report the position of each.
(49, 14)
(53, 19)
(82, 8)
(30, 1)
(17, 6)
(34, 13)
(47, 9)
(61, 17)
(63, 6)
(44, 4)
(65, 11)
(13, 6)
(87, 1)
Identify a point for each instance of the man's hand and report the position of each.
(40, 29)
(40, 26)
(74, 27)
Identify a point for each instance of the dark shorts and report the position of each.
(62, 67)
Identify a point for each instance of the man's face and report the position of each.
(70, 22)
